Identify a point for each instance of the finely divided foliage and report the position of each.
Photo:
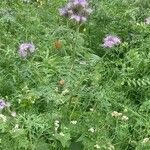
(75, 75)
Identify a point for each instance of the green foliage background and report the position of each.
(105, 80)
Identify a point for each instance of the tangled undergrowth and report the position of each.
(75, 75)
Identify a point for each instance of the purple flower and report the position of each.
(80, 2)
(26, 48)
(147, 20)
(78, 18)
(2, 104)
(77, 10)
(69, 5)
(75, 17)
(110, 41)
(63, 11)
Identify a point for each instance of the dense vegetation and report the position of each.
(71, 82)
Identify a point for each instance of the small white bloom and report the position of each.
(56, 124)
(145, 140)
(111, 147)
(124, 118)
(66, 91)
(73, 122)
(116, 114)
(13, 114)
(56, 121)
(16, 128)
(91, 130)
(61, 134)
(3, 118)
(147, 20)
(82, 62)
(96, 146)
(56, 128)
(91, 109)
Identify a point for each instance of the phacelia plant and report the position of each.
(77, 10)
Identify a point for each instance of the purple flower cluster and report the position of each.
(26, 48)
(110, 41)
(77, 10)
(2, 104)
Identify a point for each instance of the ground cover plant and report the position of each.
(74, 75)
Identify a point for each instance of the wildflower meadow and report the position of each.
(74, 74)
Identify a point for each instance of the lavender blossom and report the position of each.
(80, 2)
(110, 41)
(77, 10)
(2, 104)
(75, 17)
(147, 20)
(63, 11)
(26, 48)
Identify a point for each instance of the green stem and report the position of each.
(75, 45)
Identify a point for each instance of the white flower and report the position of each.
(116, 114)
(16, 128)
(61, 134)
(3, 118)
(96, 146)
(124, 118)
(145, 140)
(13, 114)
(73, 122)
(66, 91)
(56, 123)
(56, 128)
(91, 109)
(111, 147)
(147, 20)
(82, 62)
(91, 130)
